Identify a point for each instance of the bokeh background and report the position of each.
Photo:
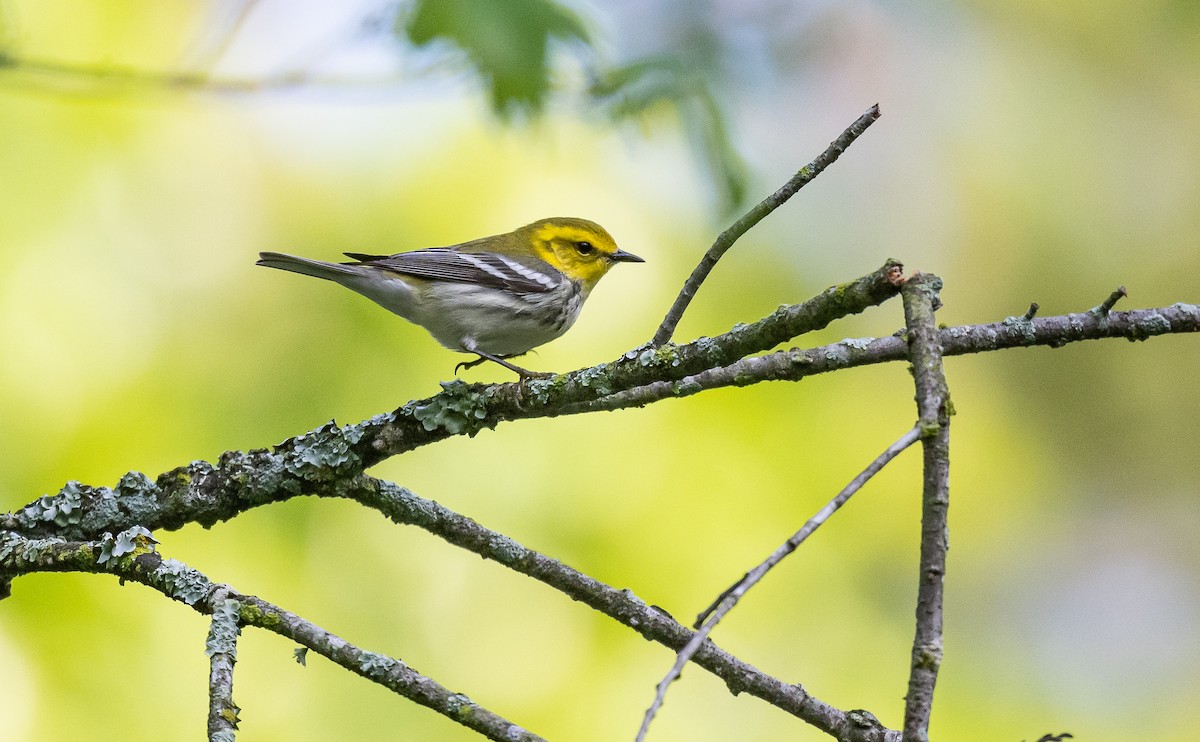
(1028, 151)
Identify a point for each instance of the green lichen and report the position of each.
(1022, 325)
(403, 506)
(745, 379)
(134, 540)
(8, 545)
(542, 390)
(178, 478)
(1192, 310)
(224, 630)
(798, 357)
(632, 597)
(708, 349)
(686, 388)
(134, 482)
(460, 408)
(927, 658)
(23, 552)
(929, 428)
(182, 582)
(459, 704)
(837, 293)
(251, 614)
(1149, 326)
(136, 493)
(862, 719)
(376, 665)
(664, 356)
(62, 509)
(323, 454)
(836, 357)
(596, 378)
(505, 550)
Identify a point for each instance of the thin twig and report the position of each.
(712, 615)
(1107, 305)
(933, 407)
(726, 239)
(64, 77)
(1033, 310)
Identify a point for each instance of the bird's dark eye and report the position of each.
(585, 248)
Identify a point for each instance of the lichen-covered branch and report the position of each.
(760, 211)
(466, 409)
(20, 555)
(204, 493)
(131, 557)
(920, 296)
(1014, 332)
(402, 506)
(221, 648)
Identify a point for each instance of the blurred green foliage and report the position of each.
(506, 41)
(635, 91)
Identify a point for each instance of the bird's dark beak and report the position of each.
(620, 256)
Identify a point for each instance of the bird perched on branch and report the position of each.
(497, 297)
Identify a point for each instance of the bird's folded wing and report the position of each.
(520, 275)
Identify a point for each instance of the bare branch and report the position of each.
(711, 616)
(933, 406)
(726, 239)
(1107, 305)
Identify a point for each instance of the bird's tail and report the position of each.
(306, 266)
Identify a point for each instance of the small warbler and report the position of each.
(497, 297)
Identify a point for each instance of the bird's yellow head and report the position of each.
(581, 249)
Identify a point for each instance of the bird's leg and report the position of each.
(524, 373)
(469, 364)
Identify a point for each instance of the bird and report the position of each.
(496, 297)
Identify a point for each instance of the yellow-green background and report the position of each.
(1029, 151)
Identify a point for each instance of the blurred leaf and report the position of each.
(505, 40)
(636, 90)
